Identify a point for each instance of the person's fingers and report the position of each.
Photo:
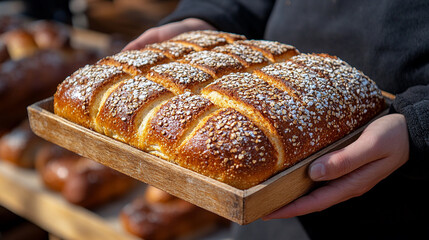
(149, 36)
(190, 24)
(343, 161)
(167, 31)
(373, 144)
(351, 185)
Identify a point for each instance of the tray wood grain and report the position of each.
(240, 206)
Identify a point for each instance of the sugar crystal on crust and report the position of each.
(246, 54)
(215, 63)
(85, 80)
(180, 73)
(173, 50)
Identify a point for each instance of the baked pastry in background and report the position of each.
(20, 146)
(48, 34)
(34, 57)
(4, 54)
(158, 215)
(8, 23)
(80, 180)
(27, 80)
(20, 43)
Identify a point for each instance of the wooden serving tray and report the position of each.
(240, 206)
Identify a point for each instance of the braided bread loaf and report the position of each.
(233, 109)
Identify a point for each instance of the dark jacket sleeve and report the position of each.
(237, 16)
(414, 105)
(412, 75)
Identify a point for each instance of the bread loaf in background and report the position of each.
(157, 215)
(20, 146)
(80, 180)
(34, 58)
(232, 109)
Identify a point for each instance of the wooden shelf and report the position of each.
(22, 192)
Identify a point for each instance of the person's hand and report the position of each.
(352, 171)
(167, 31)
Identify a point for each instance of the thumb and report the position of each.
(341, 162)
(168, 31)
(149, 36)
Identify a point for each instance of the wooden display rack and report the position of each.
(22, 192)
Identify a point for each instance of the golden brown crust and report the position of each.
(229, 37)
(272, 50)
(288, 124)
(231, 149)
(214, 63)
(307, 78)
(171, 123)
(247, 56)
(122, 112)
(135, 62)
(355, 88)
(77, 96)
(318, 97)
(206, 39)
(179, 77)
(173, 50)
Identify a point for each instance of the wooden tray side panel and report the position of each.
(279, 193)
(190, 186)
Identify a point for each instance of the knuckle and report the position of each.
(358, 187)
(359, 191)
(339, 164)
(373, 142)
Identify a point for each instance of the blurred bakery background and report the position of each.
(47, 192)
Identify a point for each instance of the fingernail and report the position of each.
(317, 171)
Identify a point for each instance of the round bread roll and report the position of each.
(20, 44)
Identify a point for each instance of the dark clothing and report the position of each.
(389, 41)
(57, 10)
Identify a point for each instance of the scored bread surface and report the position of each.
(173, 123)
(78, 97)
(272, 50)
(247, 56)
(179, 77)
(135, 62)
(229, 148)
(127, 105)
(233, 109)
(214, 63)
(172, 50)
